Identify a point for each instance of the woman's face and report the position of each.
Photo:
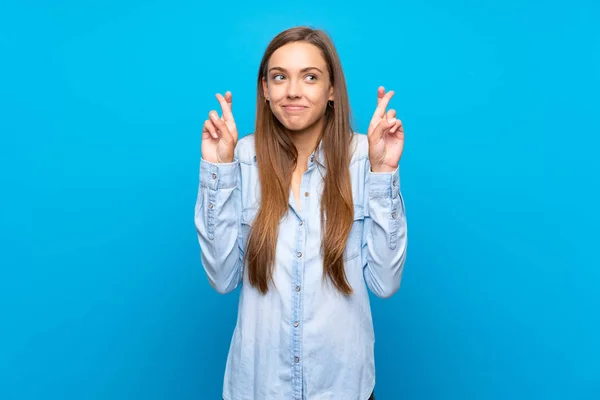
(297, 85)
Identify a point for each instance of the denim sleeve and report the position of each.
(385, 235)
(217, 220)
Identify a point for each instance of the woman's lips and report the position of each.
(294, 108)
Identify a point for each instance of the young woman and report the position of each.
(306, 215)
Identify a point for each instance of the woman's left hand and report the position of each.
(386, 135)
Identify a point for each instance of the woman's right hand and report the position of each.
(219, 135)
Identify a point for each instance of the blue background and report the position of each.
(102, 294)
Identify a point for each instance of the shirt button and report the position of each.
(297, 359)
(394, 215)
(299, 254)
(297, 288)
(210, 205)
(296, 324)
(312, 158)
(306, 194)
(214, 176)
(301, 223)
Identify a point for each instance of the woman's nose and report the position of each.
(293, 89)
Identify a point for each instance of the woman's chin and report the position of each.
(295, 126)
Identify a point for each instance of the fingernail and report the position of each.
(213, 116)
(391, 120)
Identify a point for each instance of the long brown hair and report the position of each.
(277, 157)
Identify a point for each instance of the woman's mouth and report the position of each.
(293, 108)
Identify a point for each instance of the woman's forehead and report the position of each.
(297, 56)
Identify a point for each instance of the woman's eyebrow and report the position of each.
(302, 70)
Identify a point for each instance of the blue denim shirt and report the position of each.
(303, 339)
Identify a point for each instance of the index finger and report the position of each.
(227, 115)
(383, 103)
(380, 110)
(380, 94)
(229, 99)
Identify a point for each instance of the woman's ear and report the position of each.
(265, 88)
(331, 93)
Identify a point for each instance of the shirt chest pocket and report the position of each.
(354, 242)
(247, 219)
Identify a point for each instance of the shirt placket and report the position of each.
(299, 279)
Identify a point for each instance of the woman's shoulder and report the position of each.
(244, 150)
(359, 147)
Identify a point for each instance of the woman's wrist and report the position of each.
(382, 169)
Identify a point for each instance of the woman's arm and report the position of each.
(385, 232)
(218, 205)
(386, 222)
(217, 220)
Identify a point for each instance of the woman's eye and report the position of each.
(279, 77)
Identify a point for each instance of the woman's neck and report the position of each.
(306, 142)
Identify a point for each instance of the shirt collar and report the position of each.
(317, 156)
